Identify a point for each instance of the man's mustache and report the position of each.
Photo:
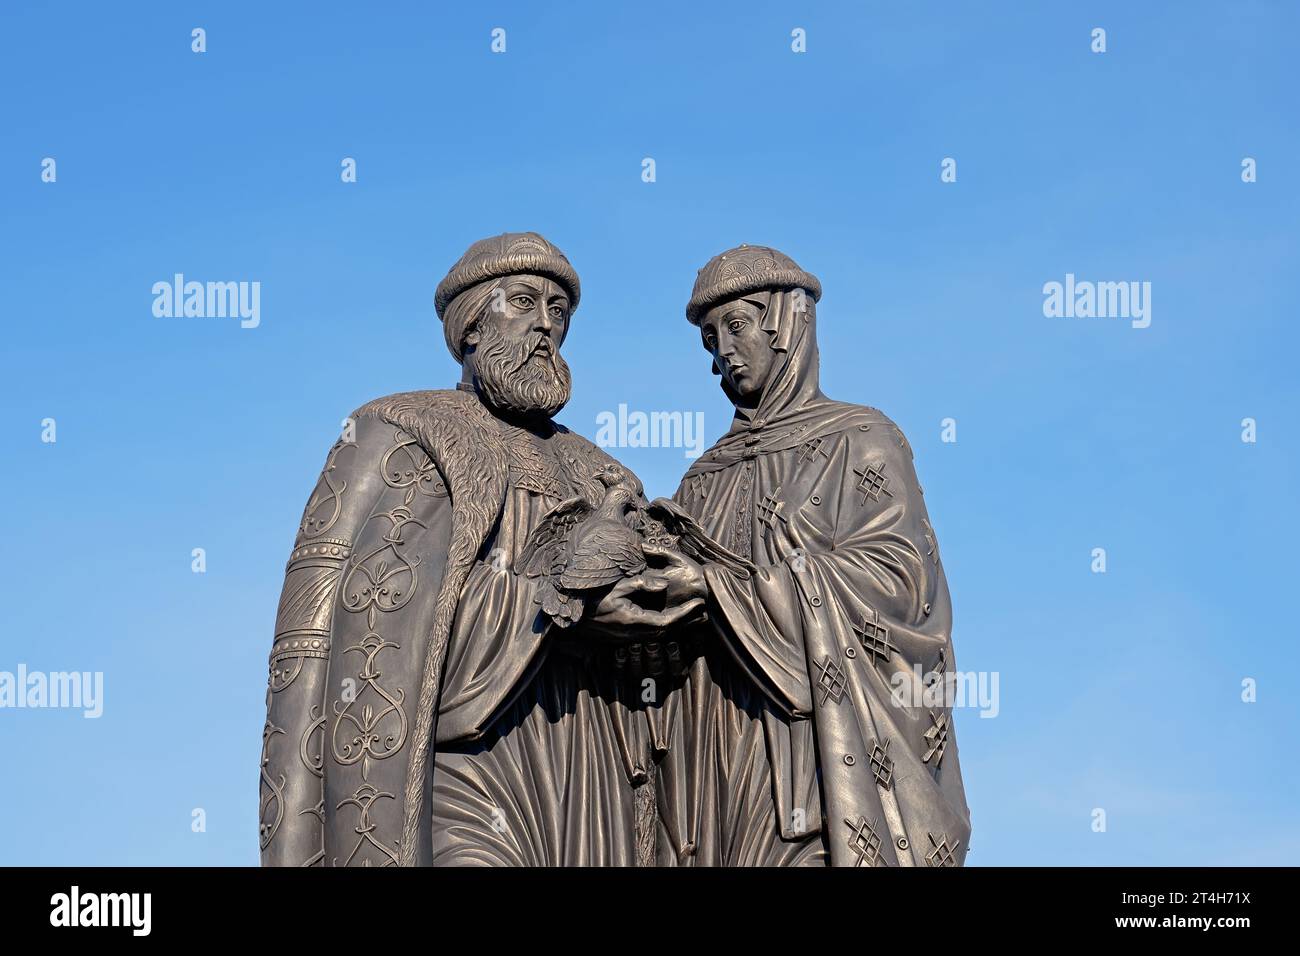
(534, 347)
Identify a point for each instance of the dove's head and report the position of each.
(622, 488)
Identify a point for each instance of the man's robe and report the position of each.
(806, 729)
(535, 758)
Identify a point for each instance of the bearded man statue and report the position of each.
(815, 727)
(423, 709)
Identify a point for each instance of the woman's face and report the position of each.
(741, 350)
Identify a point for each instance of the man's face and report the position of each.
(527, 305)
(517, 347)
(741, 350)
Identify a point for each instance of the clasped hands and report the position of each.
(670, 578)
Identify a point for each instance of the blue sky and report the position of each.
(1119, 690)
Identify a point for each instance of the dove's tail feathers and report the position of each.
(563, 609)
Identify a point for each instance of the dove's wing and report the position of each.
(602, 555)
(546, 551)
(692, 540)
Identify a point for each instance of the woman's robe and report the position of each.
(805, 731)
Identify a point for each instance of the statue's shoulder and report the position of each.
(425, 403)
(455, 430)
(868, 427)
(579, 441)
(584, 447)
(445, 421)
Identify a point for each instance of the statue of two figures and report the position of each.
(491, 649)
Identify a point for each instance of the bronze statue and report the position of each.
(421, 710)
(796, 747)
(491, 650)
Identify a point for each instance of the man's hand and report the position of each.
(619, 615)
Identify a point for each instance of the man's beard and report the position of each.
(525, 376)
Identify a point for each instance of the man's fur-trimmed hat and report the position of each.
(511, 253)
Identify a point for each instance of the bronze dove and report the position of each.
(578, 549)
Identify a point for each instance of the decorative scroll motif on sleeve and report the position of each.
(326, 502)
(407, 465)
(271, 810)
